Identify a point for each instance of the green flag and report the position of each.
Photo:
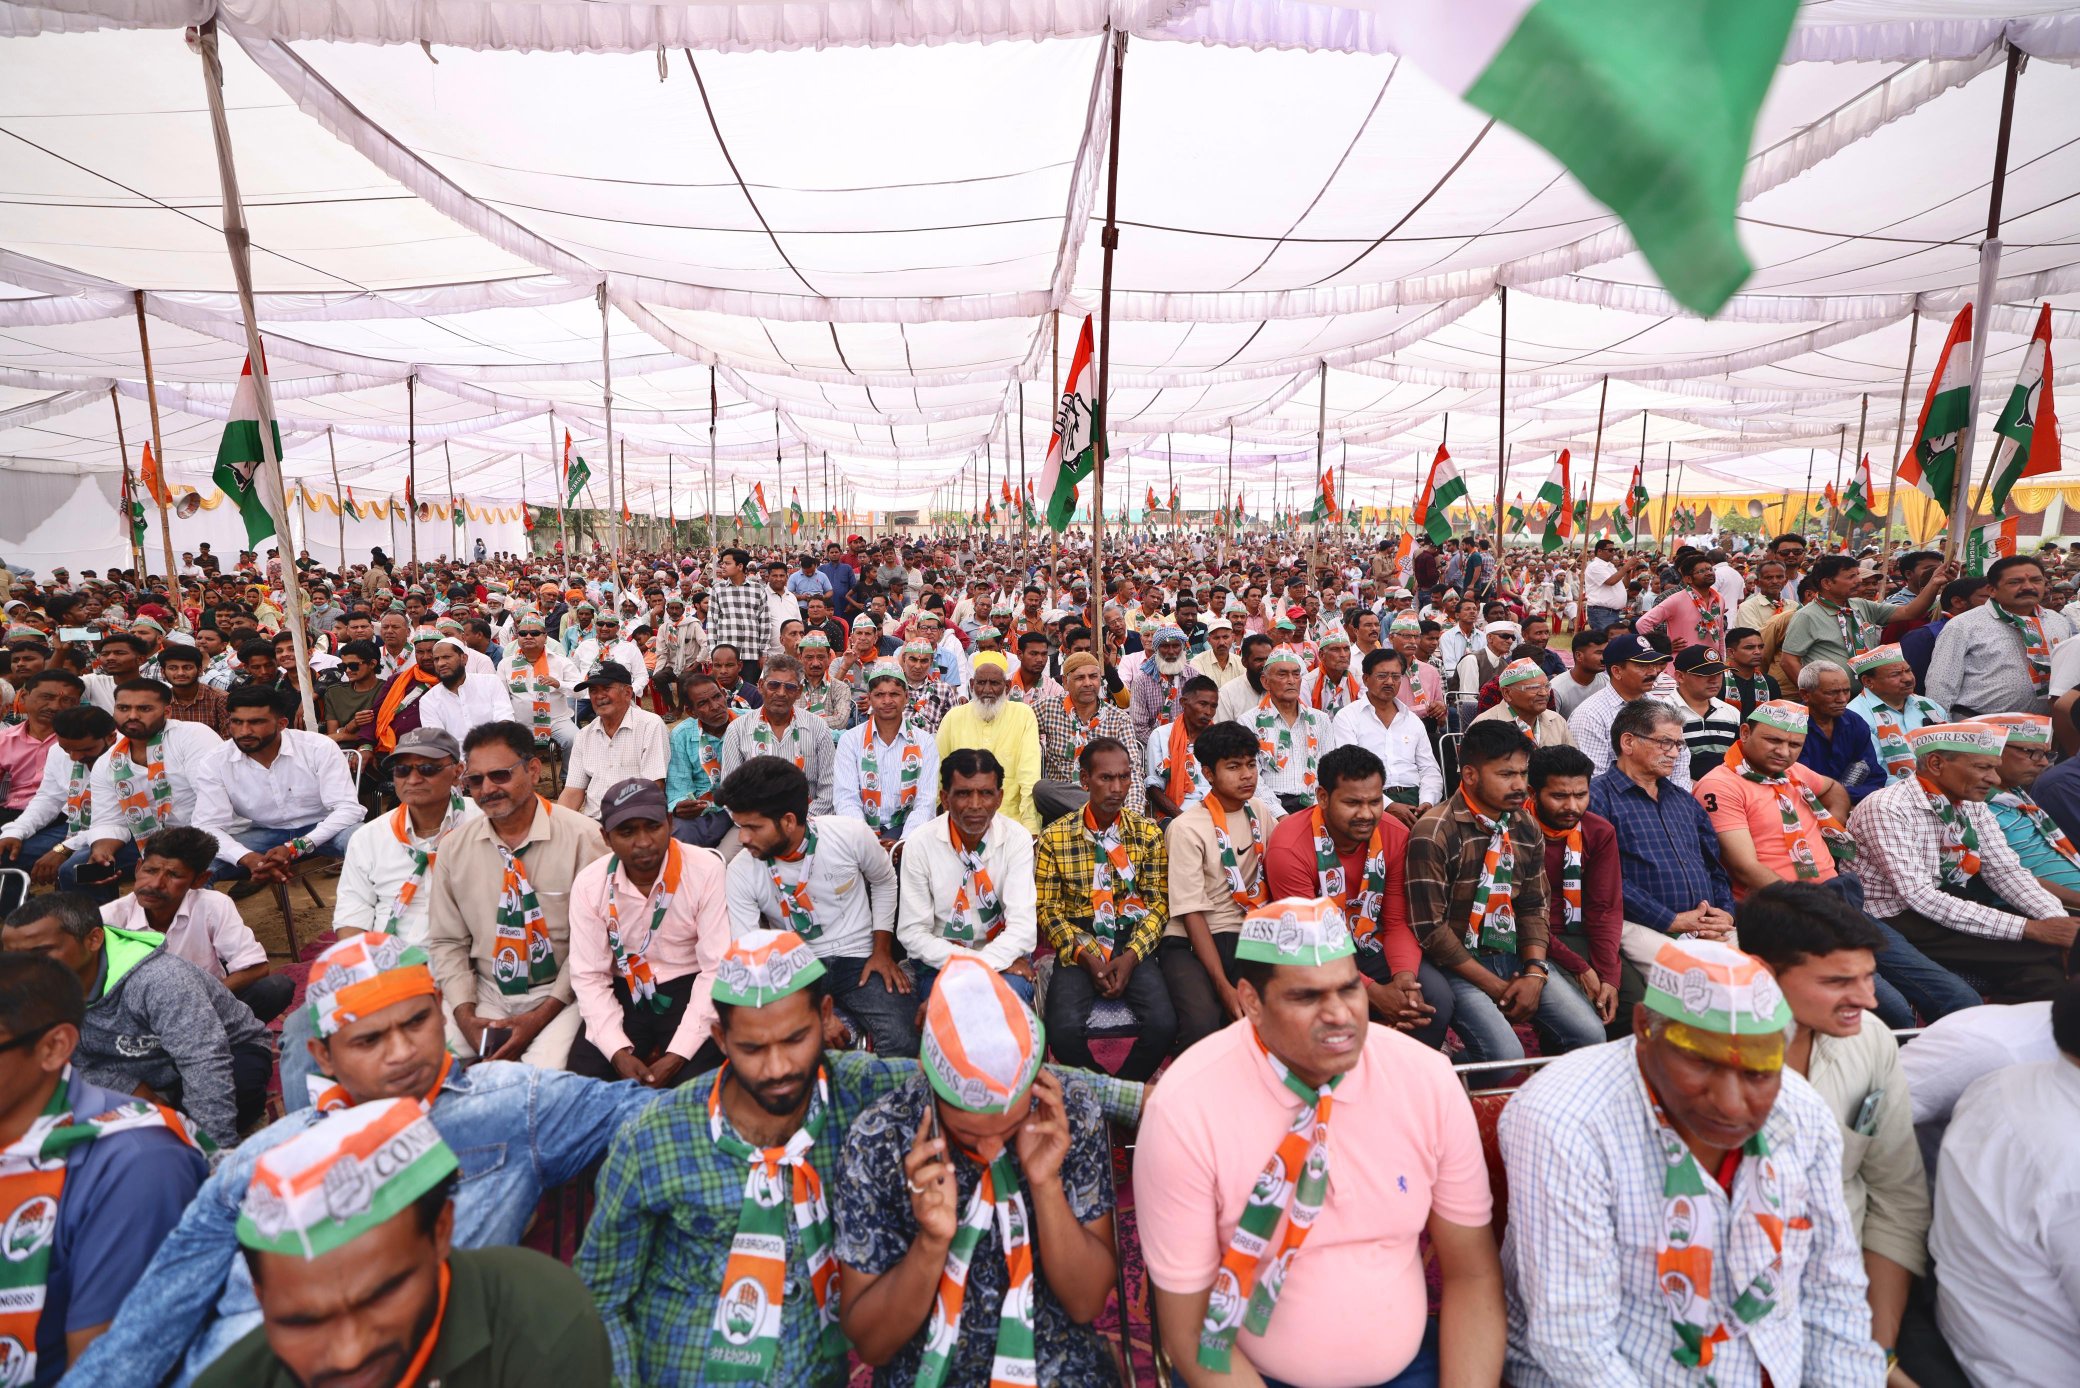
(240, 458)
(580, 474)
(1931, 464)
(1079, 427)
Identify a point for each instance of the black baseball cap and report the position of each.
(1699, 660)
(609, 672)
(1625, 649)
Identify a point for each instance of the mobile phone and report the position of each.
(91, 873)
(77, 634)
(494, 1041)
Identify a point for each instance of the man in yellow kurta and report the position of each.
(991, 721)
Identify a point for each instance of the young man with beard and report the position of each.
(171, 899)
(1157, 685)
(1176, 781)
(461, 700)
(146, 781)
(1584, 887)
(191, 701)
(993, 722)
(51, 830)
(887, 769)
(291, 787)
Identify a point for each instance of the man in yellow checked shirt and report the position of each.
(1676, 1210)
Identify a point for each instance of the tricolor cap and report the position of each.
(1407, 624)
(987, 633)
(531, 622)
(813, 641)
(763, 966)
(887, 670)
(448, 624)
(342, 1176)
(360, 976)
(425, 634)
(1295, 931)
(1714, 987)
(2024, 729)
(1785, 715)
(1284, 655)
(1986, 739)
(1877, 658)
(1334, 638)
(924, 648)
(981, 1045)
(1518, 670)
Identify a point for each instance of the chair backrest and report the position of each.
(14, 889)
(1487, 1115)
(355, 759)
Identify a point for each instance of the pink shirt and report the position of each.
(692, 937)
(21, 763)
(1403, 1145)
(1733, 802)
(1422, 687)
(1677, 614)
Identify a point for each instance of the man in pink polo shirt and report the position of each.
(1282, 1256)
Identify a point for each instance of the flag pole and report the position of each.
(151, 396)
(563, 531)
(714, 525)
(1502, 424)
(1668, 465)
(606, 387)
(411, 476)
(1321, 436)
(1899, 430)
(239, 243)
(671, 513)
(1863, 415)
(1110, 242)
(1805, 501)
(339, 507)
(1640, 468)
(1989, 279)
(1581, 602)
(1025, 537)
(130, 540)
(1841, 442)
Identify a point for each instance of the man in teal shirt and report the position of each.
(2043, 847)
(695, 769)
(1889, 704)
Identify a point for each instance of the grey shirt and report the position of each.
(1979, 663)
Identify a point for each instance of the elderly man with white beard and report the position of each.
(994, 722)
(1157, 686)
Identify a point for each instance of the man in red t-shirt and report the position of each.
(1348, 847)
(1585, 888)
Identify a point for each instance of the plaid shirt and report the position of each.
(928, 705)
(208, 708)
(1058, 744)
(1667, 849)
(668, 1201)
(1443, 871)
(1065, 866)
(1899, 857)
(739, 616)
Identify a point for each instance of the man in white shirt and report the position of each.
(146, 781)
(539, 679)
(1605, 585)
(1292, 738)
(623, 741)
(968, 886)
(291, 787)
(462, 700)
(1956, 1050)
(886, 770)
(52, 828)
(607, 646)
(2006, 1236)
(172, 897)
(1383, 726)
(1219, 661)
(828, 880)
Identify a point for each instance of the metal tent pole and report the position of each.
(1989, 278)
(1899, 428)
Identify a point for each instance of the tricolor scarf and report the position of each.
(1334, 699)
(709, 747)
(148, 807)
(2021, 802)
(1711, 618)
(1492, 924)
(1292, 1185)
(1570, 871)
(1183, 779)
(1171, 687)
(998, 1199)
(631, 964)
(1081, 729)
(1959, 846)
(1117, 908)
(32, 1181)
(978, 912)
(2036, 647)
(766, 743)
(1247, 896)
(794, 901)
(329, 1096)
(910, 760)
(422, 858)
(1840, 844)
(744, 1340)
(532, 688)
(1856, 633)
(1891, 736)
(79, 799)
(522, 956)
(1278, 753)
(1363, 910)
(1693, 1237)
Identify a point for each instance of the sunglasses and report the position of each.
(502, 776)
(414, 770)
(777, 687)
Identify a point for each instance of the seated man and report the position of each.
(155, 1026)
(321, 1263)
(826, 879)
(1348, 848)
(968, 879)
(52, 828)
(1938, 869)
(1823, 954)
(1292, 739)
(1961, 1048)
(828, 698)
(621, 741)
(1777, 821)
(994, 722)
(2003, 1235)
(1889, 704)
(172, 899)
(291, 787)
(1235, 1144)
(648, 929)
(781, 729)
(498, 915)
(1585, 894)
(1155, 689)
(887, 768)
(1330, 686)
(146, 781)
(1386, 727)
(1839, 744)
(1526, 703)
(2041, 845)
(694, 771)
(1716, 1200)
(974, 1224)
(1066, 724)
(1477, 883)
(461, 699)
(1667, 849)
(94, 1178)
(540, 679)
(1102, 892)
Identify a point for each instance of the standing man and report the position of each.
(1996, 658)
(1835, 624)
(1890, 706)
(994, 722)
(1695, 614)
(1765, 598)
(621, 741)
(1607, 585)
(780, 729)
(739, 611)
(1235, 1145)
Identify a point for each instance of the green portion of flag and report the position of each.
(137, 528)
(237, 474)
(580, 474)
(1449, 490)
(752, 516)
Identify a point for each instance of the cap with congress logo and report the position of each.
(1296, 930)
(762, 966)
(342, 1176)
(981, 1046)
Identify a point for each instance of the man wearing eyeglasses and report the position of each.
(780, 729)
(621, 741)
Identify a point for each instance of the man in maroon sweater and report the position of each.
(1582, 875)
(1348, 847)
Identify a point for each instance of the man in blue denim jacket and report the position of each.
(516, 1130)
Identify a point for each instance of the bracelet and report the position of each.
(301, 847)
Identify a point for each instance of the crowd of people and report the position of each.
(831, 916)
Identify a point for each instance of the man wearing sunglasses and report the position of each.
(780, 729)
(348, 707)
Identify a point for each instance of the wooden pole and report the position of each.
(340, 510)
(1581, 605)
(1961, 522)
(1841, 442)
(1863, 415)
(130, 540)
(1501, 423)
(1639, 470)
(151, 396)
(1899, 428)
(458, 534)
(1110, 242)
(1321, 437)
(714, 522)
(563, 482)
(606, 390)
(411, 464)
(1025, 537)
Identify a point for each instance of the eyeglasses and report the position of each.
(1666, 744)
(498, 777)
(776, 687)
(413, 769)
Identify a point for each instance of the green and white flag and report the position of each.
(1516, 514)
(1986, 543)
(240, 459)
(1559, 515)
(579, 475)
(1931, 464)
(1072, 452)
(1856, 500)
(1650, 106)
(2026, 442)
(755, 514)
(1440, 490)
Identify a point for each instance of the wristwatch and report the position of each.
(1544, 969)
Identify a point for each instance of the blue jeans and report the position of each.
(1600, 618)
(1908, 981)
(1437, 991)
(1420, 1373)
(888, 1018)
(38, 844)
(1564, 1018)
(262, 837)
(297, 1065)
(926, 976)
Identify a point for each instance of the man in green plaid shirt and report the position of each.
(687, 1213)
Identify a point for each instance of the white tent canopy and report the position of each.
(864, 224)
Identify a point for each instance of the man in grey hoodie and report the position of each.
(154, 1021)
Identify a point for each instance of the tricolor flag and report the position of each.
(2026, 435)
(1931, 464)
(1516, 513)
(1650, 106)
(1405, 558)
(240, 458)
(1005, 487)
(1856, 500)
(1987, 543)
(1325, 507)
(1553, 496)
(1629, 510)
(353, 511)
(1827, 494)
(989, 510)
(1440, 490)
(1151, 506)
(1176, 502)
(1032, 514)
(755, 507)
(1079, 428)
(794, 510)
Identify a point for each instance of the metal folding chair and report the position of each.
(14, 889)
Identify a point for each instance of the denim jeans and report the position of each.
(1420, 1373)
(1600, 618)
(888, 1018)
(1908, 981)
(1565, 1018)
(1071, 997)
(1437, 991)
(38, 844)
(262, 837)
